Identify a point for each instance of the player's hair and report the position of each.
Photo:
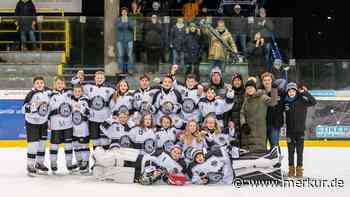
(142, 121)
(217, 129)
(37, 78)
(145, 76)
(59, 78)
(191, 76)
(169, 77)
(78, 86)
(100, 72)
(188, 137)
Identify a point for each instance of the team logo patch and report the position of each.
(145, 107)
(97, 103)
(188, 105)
(215, 177)
(77, 118)
(43, 109)
(149, 146)
(167, 107)
(65, 110)
(125, 142)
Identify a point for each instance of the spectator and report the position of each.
(136, 9)
(217, 82)
(153, 44)
(240, 28)
(234, 114)
(155, 9)
(295, 105)
(274, 118)
(218, 52)
(278, 71)
(265, 27)
(256, 56)
(177, 37)
(136, 14)
(253, 117)
(125, 40)
(26, 11)
(191, 9)
(193, 49)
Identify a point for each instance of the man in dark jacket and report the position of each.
(26, 11)
(153, 44)
(193, 50)
(234, 114)
(177, 38)
(295, 106)
(256, 56)
(239, 26)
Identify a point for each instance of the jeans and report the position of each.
(242, 40)
(24, 37)
(273, 136)
(178, 57)
(295, 143)
(125, 48)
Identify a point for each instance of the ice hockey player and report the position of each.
(60, 122)
(167, 100)
(99, 96)
(191, 92)
(213, 168)
(80, 114)
(143, 136)
(166, 135)
(295, 105)
(212, 104)
(36, 107)
(122, 99)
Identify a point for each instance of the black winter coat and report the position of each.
(25, 9)
(153, 35)
(177, 38)
(192, 48)
(274, 117)
(296, 112)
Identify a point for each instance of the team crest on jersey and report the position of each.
(65, 110)
(167, 146)
(149, 146)
(43, 109)
(214, 163)
(215, 177)
(97, 103)
(145, 106)
(188, 105)
(167, 107)
(77, 118)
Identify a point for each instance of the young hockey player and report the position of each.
(80, 118)
(217, 137)
(167, 100)
(99, 96)
(191, 92)
(217, 106)
(60, 121)
(295, 105)
(212, 168)
(166, 135)
(35, 108)
(118, 130)
(143, 136)
(122, 100)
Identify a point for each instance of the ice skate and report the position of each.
(41, 169)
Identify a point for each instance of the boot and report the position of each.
(291, 171)
(31, 170)
(84, 167)
(299, 172)
(41, 168)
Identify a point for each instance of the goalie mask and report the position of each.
(97, 103)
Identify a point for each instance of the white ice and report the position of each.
(326, 163)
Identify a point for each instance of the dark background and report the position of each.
(315, 36)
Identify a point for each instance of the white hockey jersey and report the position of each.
(80, 116)
(166, 138)
(60, 110)
(144, 139)
(36, 106)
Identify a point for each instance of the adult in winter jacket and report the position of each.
(125, 40)
(192, 49)
(153, 43)
(295, 105)
(234, 114)
(177, 38)
(26, 11)
(217, 82)
(218, 52)
(274, 116)
(256, 56)
(253, 117)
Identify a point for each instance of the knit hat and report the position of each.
(215, 70)
(250, 83)
(176, 146)
(291, 85)
(195, 152)
(237, 75)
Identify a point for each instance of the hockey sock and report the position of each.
(85, 152)
(68, 150)
(53, 154)
(77, 151)
(31, 153)
(41, 151)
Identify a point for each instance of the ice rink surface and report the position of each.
(325, 163)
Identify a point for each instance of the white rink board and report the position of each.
(319, 162)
